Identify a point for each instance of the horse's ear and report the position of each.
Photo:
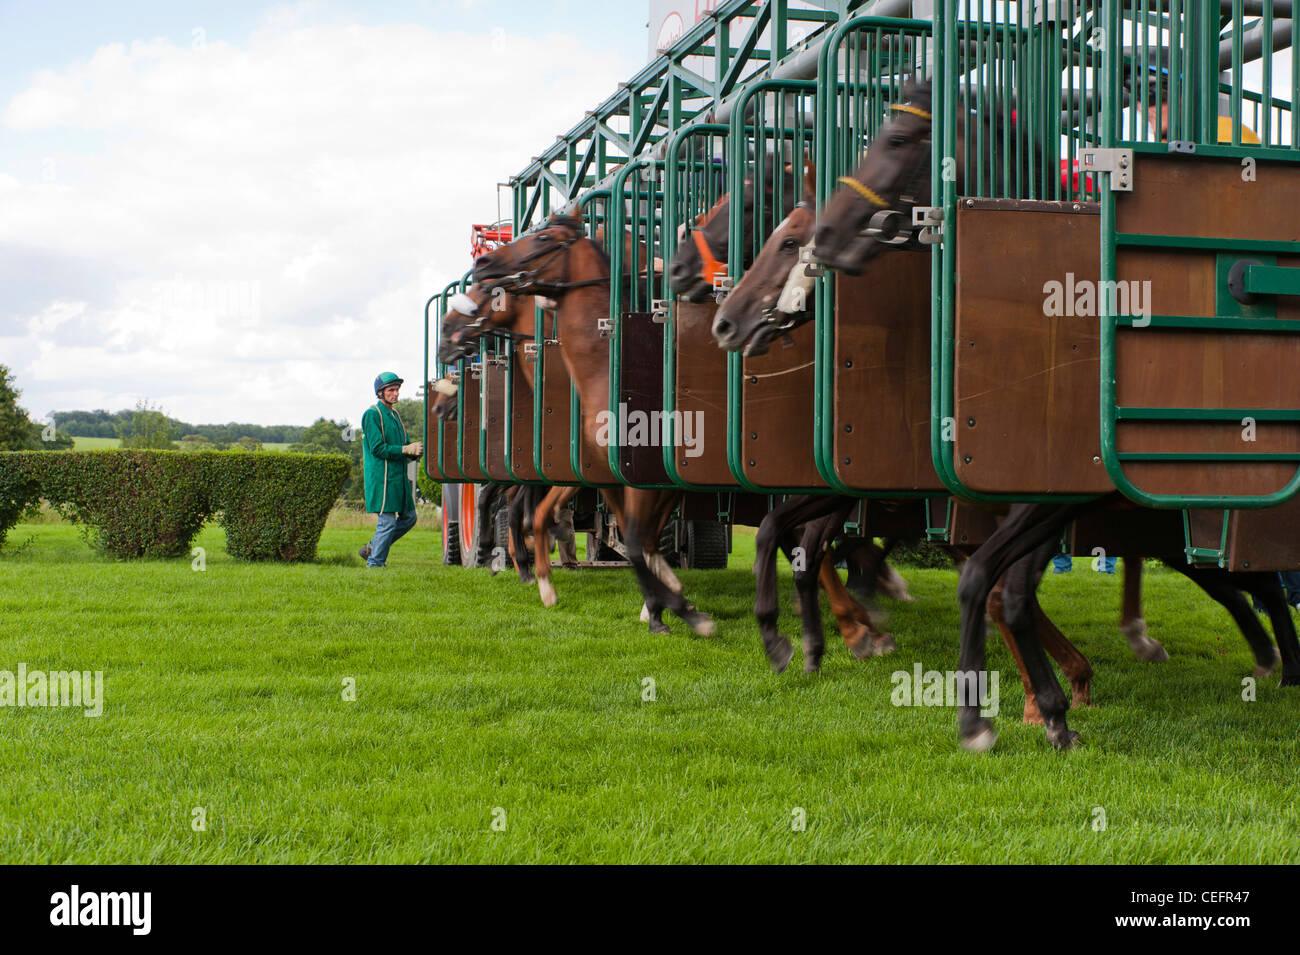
(809, 180)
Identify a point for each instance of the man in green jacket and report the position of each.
(389, 460)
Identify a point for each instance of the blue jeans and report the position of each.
(1062, 563)
(388, 529)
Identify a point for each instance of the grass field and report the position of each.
(224, 691)
(95, 444)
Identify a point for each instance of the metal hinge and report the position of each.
(659, 310)
(1117, 162)
(811, 267)
(928, 223)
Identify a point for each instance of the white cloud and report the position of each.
(331, 173)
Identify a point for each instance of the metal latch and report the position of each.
(927, 221)
(530, 351)
(476, 371)
(811, 267)
(605, 326)
(1117, 162)
(659, 309)
(722, 284)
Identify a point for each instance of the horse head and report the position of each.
(775, 293)
(872, 208)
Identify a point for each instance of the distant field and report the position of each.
(95, 444)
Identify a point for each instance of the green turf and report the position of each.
(223, 691)
(95, 444)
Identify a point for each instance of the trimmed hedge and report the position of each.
(134, 503)
(18, 491)
(273, 506)
(153, 503)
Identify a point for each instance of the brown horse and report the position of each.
(470, 315)
(893, 177)
(562, 263)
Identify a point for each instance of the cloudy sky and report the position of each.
(237, 210)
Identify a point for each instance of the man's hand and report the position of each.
(414, 449)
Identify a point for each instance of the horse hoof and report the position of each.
(1290, 679)
(883, 644)
(779, 655)
(701, 623)
(981, 741)
(547, 591)
(1266, 669)
(811, 666)
(1062, 737)
(658, 627)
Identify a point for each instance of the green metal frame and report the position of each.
(746, 135)
(1048, 75)
(635, 210)
(1194, 114)
(844, 107)
(681, 206)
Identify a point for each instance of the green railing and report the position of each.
(1164, 96)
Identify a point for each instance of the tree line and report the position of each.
(111, 424)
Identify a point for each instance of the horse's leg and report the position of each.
(1024, 618)
(638, 523)
(663, 509)
(1131, 623)
(519, 507)
(995, 611)
(1268, 589)
(775, 531)
(543, 518)
(1027, 528)
(816, 537)
(1221, 588)
(1075, 665)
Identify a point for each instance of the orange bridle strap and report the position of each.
(712, 269)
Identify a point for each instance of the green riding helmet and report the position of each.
(386, 379)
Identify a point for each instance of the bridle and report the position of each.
(889, 225)
(526, 280)
(711, 268)
(779, 322)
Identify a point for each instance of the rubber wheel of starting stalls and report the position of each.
(469, 524)
(706, 545)
(668, 544)
(450, 530)
(501, 535)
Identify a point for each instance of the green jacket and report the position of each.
(383, 436)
